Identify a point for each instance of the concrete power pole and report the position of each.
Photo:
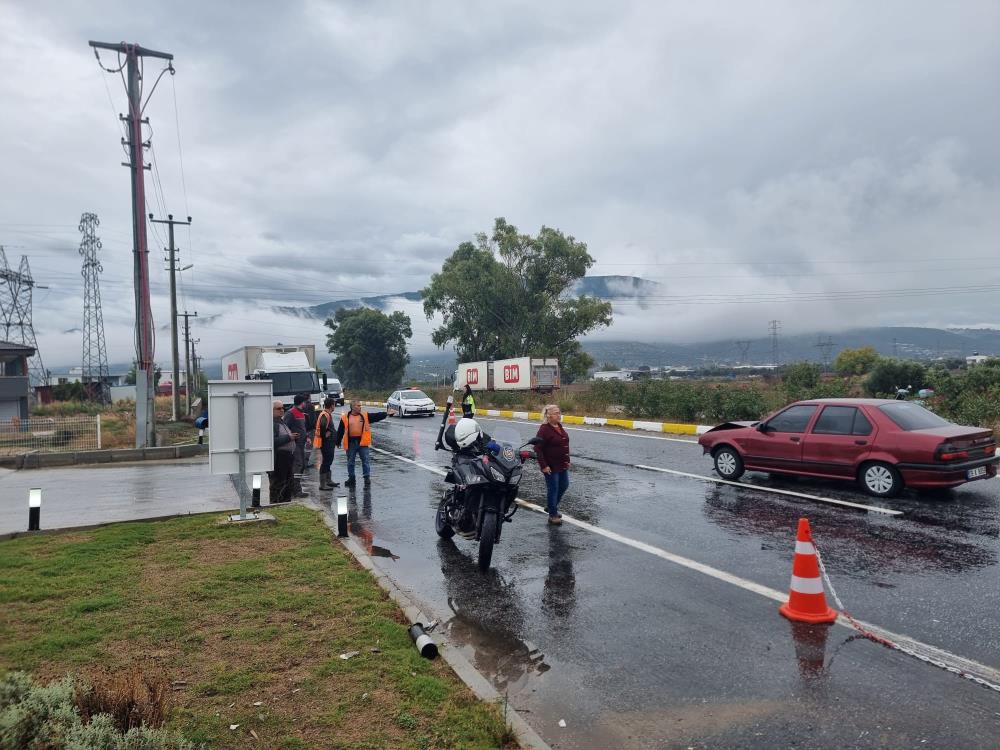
(145, 383)
(175, 399)
(188, 352)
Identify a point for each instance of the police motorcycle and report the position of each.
(484, 475)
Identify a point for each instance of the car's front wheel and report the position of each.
(728, 463)
(880, 479)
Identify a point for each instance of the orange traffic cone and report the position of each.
(806, 600)
(451, 418)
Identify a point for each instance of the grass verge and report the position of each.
(247, 624)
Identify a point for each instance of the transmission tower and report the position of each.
(774, 327)
(15, 312)
(95, 352)
(743, 346)
(825, 346)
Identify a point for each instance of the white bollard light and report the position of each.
(34, 509)
(255, 495)
(342, 516)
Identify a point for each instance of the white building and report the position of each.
(978, 359)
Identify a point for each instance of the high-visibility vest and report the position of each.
(366, 430)
(470, 402)
(318, 436)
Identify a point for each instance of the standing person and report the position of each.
(553, 458)
(280, 479)
(295, 419)
(468, 403)
(309, 409)
(355, 436)
(325, 438)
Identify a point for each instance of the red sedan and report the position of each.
(884, 445)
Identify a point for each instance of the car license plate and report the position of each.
(979, 471)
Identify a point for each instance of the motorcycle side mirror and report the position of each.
(535, 441)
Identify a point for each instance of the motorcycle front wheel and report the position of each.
(486, 539)
(441, 525)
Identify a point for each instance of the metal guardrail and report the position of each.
(50, 434)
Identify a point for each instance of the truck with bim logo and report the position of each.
(517, 374)
(290, 368)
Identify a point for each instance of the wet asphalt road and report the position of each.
(635, 651)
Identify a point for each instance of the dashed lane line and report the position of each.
(959, 662)
(774, 490)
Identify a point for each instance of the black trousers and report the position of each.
(327, 463)
(281, 480)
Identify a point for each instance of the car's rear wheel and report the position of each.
(728, 463)
(880, 479)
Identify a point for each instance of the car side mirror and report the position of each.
(761, 427)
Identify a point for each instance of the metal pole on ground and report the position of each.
(241, 426)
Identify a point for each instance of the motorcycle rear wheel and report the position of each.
(486, 539)
(441, 525)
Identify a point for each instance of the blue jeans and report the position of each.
(354, 448)
(556, 485)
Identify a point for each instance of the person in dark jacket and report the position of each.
(280, 479)
(355, 436)
(295, 420)
(553, 459)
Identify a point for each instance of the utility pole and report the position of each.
(744, 349)
(145, 384)
(774, 326)
(15, 313)
(94, 372)
(188, 351)
(175, 399)
(825, 346)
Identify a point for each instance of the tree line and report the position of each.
(505, 294)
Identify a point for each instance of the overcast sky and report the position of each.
(790, 156)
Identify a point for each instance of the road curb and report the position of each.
(673, 428)
(483, 688)
(38, 460)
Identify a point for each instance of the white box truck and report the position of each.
(291, 369)
(517, 374)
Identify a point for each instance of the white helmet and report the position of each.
(467, 432)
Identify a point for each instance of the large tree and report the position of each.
(508, 295)
(369, 347)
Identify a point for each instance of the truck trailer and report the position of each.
(517, 374)
(291, 369)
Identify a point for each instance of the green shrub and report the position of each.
(36, 716)
(888, 375)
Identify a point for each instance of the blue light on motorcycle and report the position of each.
(493, 446)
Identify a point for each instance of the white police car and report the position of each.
(409, 403)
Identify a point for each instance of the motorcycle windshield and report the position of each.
(506, 435)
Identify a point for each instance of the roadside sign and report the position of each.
(223, 416)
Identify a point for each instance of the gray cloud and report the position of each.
(772, 152)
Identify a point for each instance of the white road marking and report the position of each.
(774, 490)
(959, 662)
